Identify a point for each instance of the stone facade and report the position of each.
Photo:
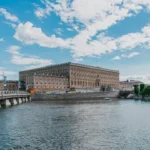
(70, 75)
(46, 83)
(11, 85)
(129, 84)
(82, 76)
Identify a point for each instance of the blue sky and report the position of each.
(110, 34)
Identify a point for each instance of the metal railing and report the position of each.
(2, 93)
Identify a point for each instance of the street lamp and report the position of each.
(3, 82)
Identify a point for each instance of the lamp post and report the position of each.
(3, 83)
(2, 86)
(18, 86)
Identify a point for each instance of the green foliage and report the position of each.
(136, 90)
(142, 88)
(146, 92)
(72, 89)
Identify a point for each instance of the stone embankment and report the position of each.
(75, 96)
(146, 99)
(140, 98)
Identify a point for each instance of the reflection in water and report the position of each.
(112, 125)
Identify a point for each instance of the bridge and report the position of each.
(11, 98)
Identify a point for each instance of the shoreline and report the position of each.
(75, 96)
(71, 100)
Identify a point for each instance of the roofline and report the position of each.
(72, 64)
(44, 67)
(131, 81)
(93, 67)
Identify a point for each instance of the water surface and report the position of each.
(116, 125)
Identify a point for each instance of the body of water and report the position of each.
(116, 125)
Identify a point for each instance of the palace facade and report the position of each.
(68, 75)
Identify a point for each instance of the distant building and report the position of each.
(11, 85)
(68, 75)
(129, 84)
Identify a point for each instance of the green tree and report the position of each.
(146, 92)
(142, 89)
(136, 90)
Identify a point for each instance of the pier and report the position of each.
(11, 98)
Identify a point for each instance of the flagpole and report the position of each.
(3, 80)
(3, 86)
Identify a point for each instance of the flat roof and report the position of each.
(131, 81)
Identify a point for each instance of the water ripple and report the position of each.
(119, 125)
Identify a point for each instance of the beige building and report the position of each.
(11, 85)
(69, 75)
(129, 84)
(45, 83)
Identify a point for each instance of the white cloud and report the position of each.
(78, 45)
(77, 60)
(13, 25)
(98, 16)
(8, 16)
(29, 34)
(43, 12)
(88, 17)
(58, 31)
(1, 40)
(21, 59)
(143, 78)
(87, 11)
(69, 29)
(7, 72)
(117, 58)
(133, 54)
(14, 50)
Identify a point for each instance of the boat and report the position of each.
(107, 99)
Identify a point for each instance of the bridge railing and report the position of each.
(12, 93)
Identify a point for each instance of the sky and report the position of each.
(113, 34)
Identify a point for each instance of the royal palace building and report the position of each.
(68, 75)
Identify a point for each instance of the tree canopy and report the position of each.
(142, 90)
(146, 92)
(137, 90)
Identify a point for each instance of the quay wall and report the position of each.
(75, 96)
